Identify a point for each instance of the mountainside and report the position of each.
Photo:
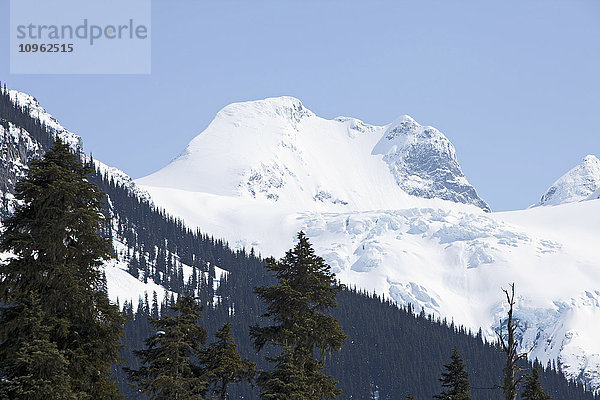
(580, 183)
(159, 253)
(22, 138)
(26, 132)
(277, 150)
(374, 200)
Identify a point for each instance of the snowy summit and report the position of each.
(580, 183)
(276, 149)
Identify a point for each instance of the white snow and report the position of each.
(276, 149)
(580, 183)
(121, 178)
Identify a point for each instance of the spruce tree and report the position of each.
(57, 256)
(170, 369)
(224, 365)
(38, 370)
(298, 306)
(532, 390)
(455, 380)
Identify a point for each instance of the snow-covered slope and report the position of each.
(38, 112)
(278, 150)
(18, 147)
(580, 183)
(374, 201)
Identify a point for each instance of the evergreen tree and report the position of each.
(224, 365)
(58, 256)
(532, 389)
(38, 370)
(169, 369)
(455, 380)
(299, 308)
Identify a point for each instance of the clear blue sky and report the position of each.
(515, 85)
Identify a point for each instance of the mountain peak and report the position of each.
(424, 164)
(580, 183)
(276, 149)
(283, 107)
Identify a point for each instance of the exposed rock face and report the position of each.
(277, 149)
(16, 149)
(424, 163)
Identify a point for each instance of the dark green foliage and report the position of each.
(532, 390)
(286, 381)
(58, 254)
(298, 306)
(38, 370)
(169, 370)
(223, 365)
(455, 380)
(18, 115)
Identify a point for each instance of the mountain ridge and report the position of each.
(274, 148)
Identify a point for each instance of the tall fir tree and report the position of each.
(223, 364)
(38, 370)
(58, 254)
(298, 306)
(170, 369)
(532, 389)
(455, 380)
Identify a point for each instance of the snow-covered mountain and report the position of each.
(18, 147)
(387, 206)
(580, 183)
(278, 150)
(390, 210)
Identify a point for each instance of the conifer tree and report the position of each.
(57, 258)
(38, 370)
(455, 380)
(170, 370)
(302, 327)
(224, 365)
(532, 390)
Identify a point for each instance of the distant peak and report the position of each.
(579, 183)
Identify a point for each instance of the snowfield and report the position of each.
(391, 212)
